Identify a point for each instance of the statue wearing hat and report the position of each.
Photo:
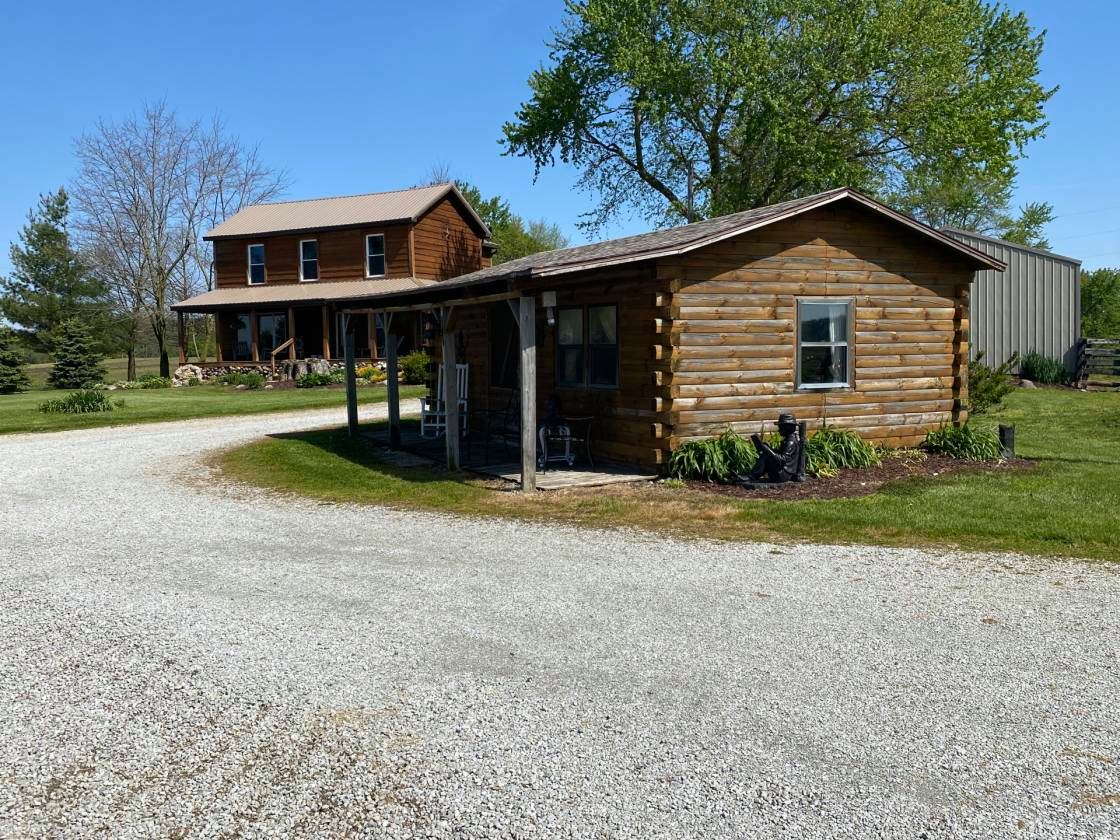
(787, 462)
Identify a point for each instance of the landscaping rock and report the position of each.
(184, 374)
(1026, 383)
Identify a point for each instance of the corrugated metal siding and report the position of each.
(1034, 304)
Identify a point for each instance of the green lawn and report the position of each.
(20, 412)
(1068, 505)
(116, 370)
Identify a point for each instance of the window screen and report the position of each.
(823, 359)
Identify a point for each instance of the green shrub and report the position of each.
(965, 442)
(76, 363)
(718, 459)
(86, 401)
(1043, 370)
(987, 386)
(830, 450)
(13, 375)
(414, 368)
(154, 381)
(371, 373)
(315, 380)
(252, 381)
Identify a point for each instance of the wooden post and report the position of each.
(292, 333)
(391, 384)
(527, 325)
(371, 329)
(326, 334)
(960, 357)
(255, 328)
(351, 377)
(182, 339)
(218, 338)
(450, 392)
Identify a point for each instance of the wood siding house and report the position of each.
(286, 270)
(832, 307)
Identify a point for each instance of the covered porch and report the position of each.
(552, 399)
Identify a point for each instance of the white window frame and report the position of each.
(249, 263)
(303, 279)
(848, 343)
(384, 255)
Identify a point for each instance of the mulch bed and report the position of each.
(853, 483)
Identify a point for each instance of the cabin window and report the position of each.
(256, 265)
(823, 343)
(309, 259)
(587, 346)
(375, 255)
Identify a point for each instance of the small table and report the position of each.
(570, 430)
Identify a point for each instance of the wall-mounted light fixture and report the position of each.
(548, 301)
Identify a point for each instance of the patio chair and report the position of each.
(433, 414)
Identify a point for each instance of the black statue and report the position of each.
(787, 463)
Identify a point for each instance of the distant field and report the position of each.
(116, 370)
(20, 412)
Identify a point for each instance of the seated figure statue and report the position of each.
(783, 464)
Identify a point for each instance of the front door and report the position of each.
(273, 332)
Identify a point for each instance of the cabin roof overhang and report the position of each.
(507, 277)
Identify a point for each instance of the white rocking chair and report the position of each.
(433, 414)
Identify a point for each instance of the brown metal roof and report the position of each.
(341, 211)
(302, 294)
(680, 240)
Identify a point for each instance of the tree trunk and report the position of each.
(131, 353)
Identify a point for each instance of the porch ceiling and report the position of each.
(299, 294)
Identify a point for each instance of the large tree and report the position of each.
(1100, 303)
(49, 283)
(683, 109)
(148, 189)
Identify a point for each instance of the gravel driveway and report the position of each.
(180, 660)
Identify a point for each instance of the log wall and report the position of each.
(730, 330)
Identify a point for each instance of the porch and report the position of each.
(496, 458)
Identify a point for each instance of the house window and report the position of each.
(375, 255)
(309, 259)
(256, 265)
(587, 347)
(823, 350)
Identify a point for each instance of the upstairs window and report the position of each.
(256, 265)
(587, 347)
(375, 255)
(309, 259)
(823, 344)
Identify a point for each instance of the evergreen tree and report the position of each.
(77, 364)
(13, 377)
(48, 284)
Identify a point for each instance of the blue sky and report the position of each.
(356, 97)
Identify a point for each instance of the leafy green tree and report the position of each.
(13, 376)
(685, 109)
(77, 363)
(48, 284)
(976, 202)
(1100, 303)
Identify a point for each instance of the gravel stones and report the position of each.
(179, 658)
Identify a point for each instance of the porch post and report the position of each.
(292, 333)
(351, 378)
(450, 392)
(391, 383)
(255, 328)
(182, 339)
(527, 326)
(218, 337)
(326, 334)
(371, 330)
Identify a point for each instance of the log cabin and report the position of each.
(285, 271)
(833, 307)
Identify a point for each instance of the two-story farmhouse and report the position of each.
(288, 269)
